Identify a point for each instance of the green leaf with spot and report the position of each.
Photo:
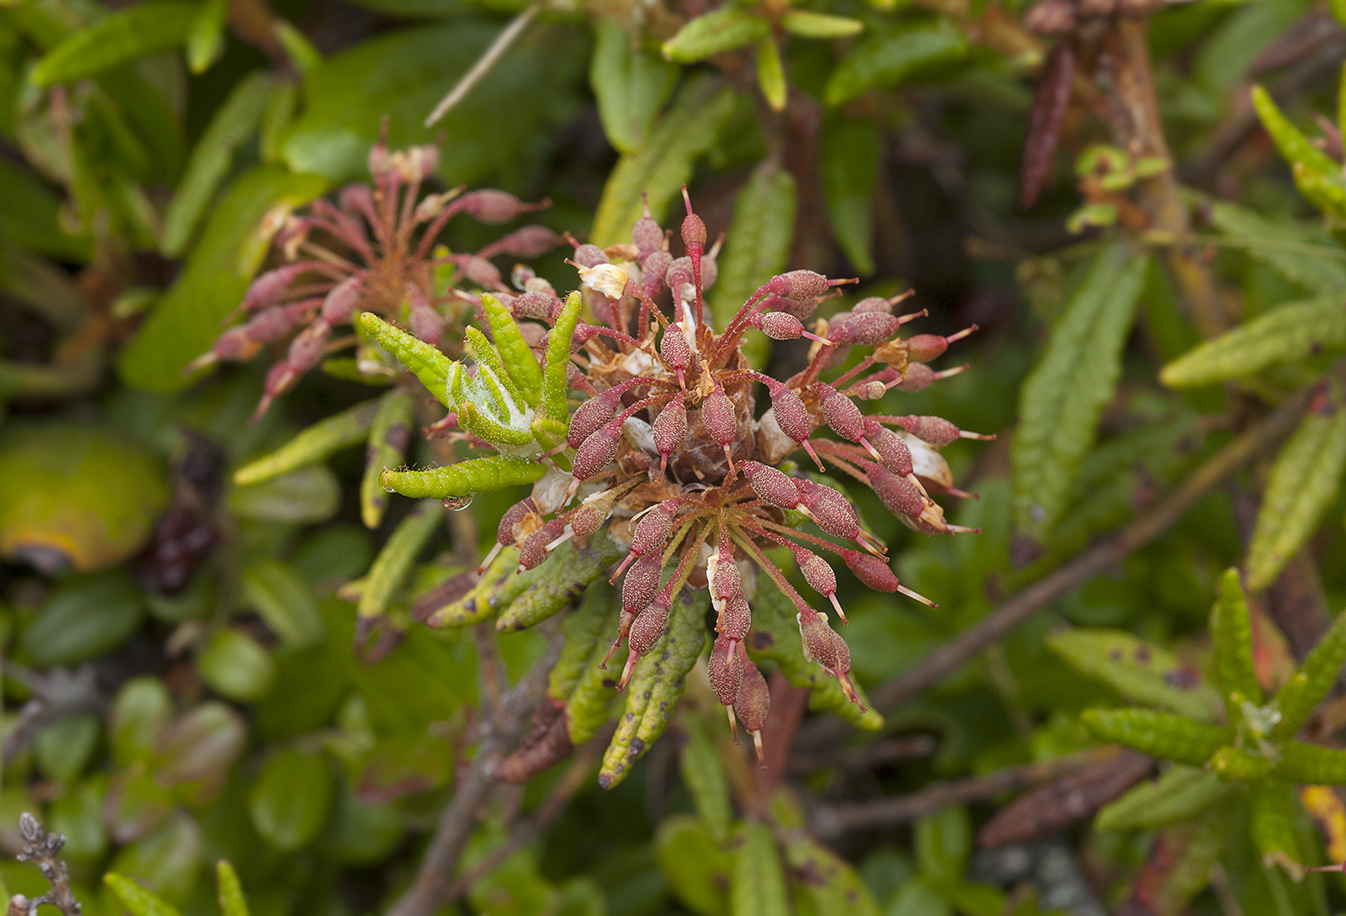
(758, 887)
(540, 592)
(128, 34)
(1137, 670)
(1303, 484)
(696, 865)
(1062, 399)
(389, 437)
(1312, 680)
(1287, 334)
(828, 881)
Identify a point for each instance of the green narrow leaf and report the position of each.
(697, 867)
(232, 902)
(1309, 764)
(30, 217)
(1179, 794)
(827, 880)
(943, 844)
(849, 170)
(588, 703)
(1064, 396)
(1293, 145)
(1275, 805)
(771, 73)
(1232, 635)
(137, 31)
(476, 605)
(775, 637)
(584, 631)
(1158, 733)
(136, 899)
(1303, 483)
(1311, 681)
(514, 351)
(543, 591)
(429, 364)
(1195, 849)
(234, 124)
(819, 25)
(703, 774)
(663, 164)
(1303, 255)
(758, 242)
(629, 84)
(395, 561)
(715, 32)
(222, 264)
(758, 887)
(476, 475)
(277, 119)
(893, 56)
(284, 601)
(389, 437)
(205, 42)
(658, 682)
(291, 798)
(1286, 334)
(317, 443)
(1136, 669)
(554, 378)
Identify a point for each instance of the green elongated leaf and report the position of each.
(1293, 145)
(140, 712)
(138, 31)
(1322, 189)
(541, 592)
(703, 774)
(291, 799)
(429, 364)
(629, 84)
(84, 617)
(304, 497)
(389, 437)
(317, 443)
(775, 637)
(827, 880)
(584, 631)
(235, 122)
(136, 899)
(715, 32)
(1062, 399)
(395, 561)
(1305, 256)
(1232, 635)
(1311, 681)
(663, 164)
(1239, 764)
(223, 262)
(771, 73)
(1309, 764)
(284, 601)
(807, 24)
(1286, 334)
(695, 864)
(401, 74)
(558, 358)
(758, 243)
(236, 667)
(1137, 670)
(30, 218)
(1179, 794)
(1303, 483)
(1275, 807)
(658, 682)
(943, 844)
(277, 119)
(758, 887)
(849, 169)
(1158, 733)
(514, 351)
(75, 497)
(205, 42)
(476, 475)
(230, 891)
(894, 56)
(476, 605)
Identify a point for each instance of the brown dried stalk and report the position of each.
(41, 848)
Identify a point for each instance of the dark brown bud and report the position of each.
(892, 450)
(670, 430)
(506, 534)
(870, 570)
(898, 494)
(534, 548)
(752, 704)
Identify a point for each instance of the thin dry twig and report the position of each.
(484, 63)
(41, 848)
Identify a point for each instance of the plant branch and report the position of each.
(484, 63)
(41, 848)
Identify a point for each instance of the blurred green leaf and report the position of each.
(236, 666)
(1158, 733)
(307, 496)
(167, 860)
(715, 32)
(140, 712)
(127, 34)
(893, 56)
(697, 866)
(65, 747)
(758, 242)
(630, 85)
(205, 40)
(291, 798)
(30, 216)
(1137, 670)
(1275, 805)
(830, 883)
(1311, 681)
(136, 899)
(222, 264)
(758, 883)
(943, 845)
(849, 168)
(1179, 794)
(230, 891)
(285, 603)
(1303, 483)
(1063, 398)
(704, 776)
(84, 617)
(1303, 255)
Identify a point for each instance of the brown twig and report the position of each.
(500, 732)
(41, 848)
(834, 820)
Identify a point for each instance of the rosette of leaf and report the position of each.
(374, 249)
(665, 462)
(1243, 761)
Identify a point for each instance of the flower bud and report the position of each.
(647, 235)
(670, 430)
(868, 329)
(898, 494)
(840, 414)
(735, 619)
(873, 304)
(536, 304)
(770, 485)
(693, 233)
(870, 570)
(493, 207)
(725, 670)
(752, 704)
(892, 450)
(589, 256)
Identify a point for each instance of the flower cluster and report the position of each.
(667, 454)
(373, 249)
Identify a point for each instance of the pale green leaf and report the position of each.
(758, 242)
(892, 57)
(1136, 669)
(629, 84)
(138, 31)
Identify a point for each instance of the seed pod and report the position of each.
(477, 270)
(651, 534)
(650, 624)
(780, 326)
(918, 377)
(426, 324)
(678, 275)
(826, 647)
(820, 577)
(752, 704)
(870, 570)
(505, 534)
(868, 329)
(898, 494)
(307, 348)
(723, 578)
(535, 304)
(670, 430)
(693, 234)
(589, 256)
(590, 417)
(798, 285)
(653, 269)
(647, 235)
(597, 451)
(840, 414)
(270, 287)
(588, 518)
(830, 509)
(675, 351)
(792, 416)
(534, 548)
(641, 584)
(342, 301)
(873, 304)
(721, 420)
(770, 485)
(893, 452)
(725, 670)
(492, 207)
(524, 242)
(935, 430)
(735, 619)
(710, 269)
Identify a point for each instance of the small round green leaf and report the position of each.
(291, 799)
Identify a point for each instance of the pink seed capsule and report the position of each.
(937, 431)
(534, 548)
(867, 329)
(718, 413)
(783, 326)
(726, 670)
(675, 351)
(770, 485)
(752, 705)
(493, 207)
(270, 287)
(647, 235)
(653, 269)
(840, 414)
(792, 416)
(477, 270)
(893, 452)
(873, 304)
(505, 533)
(898, 494)
(591, 416)
(670, 430)
(710, 269)
(587, 519)
(307, 348)
(650, 624)
(652, 533)
(821, 579)
(590, 256)
(799, 284)
(724, 579)
(826, 647)
(678, 275)
(535, 304)
(924, 347)
(833, 513)
(641, 584)
(596, 452)
(870, 570)
(426, 323)
(918, 377)
(735, 619)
